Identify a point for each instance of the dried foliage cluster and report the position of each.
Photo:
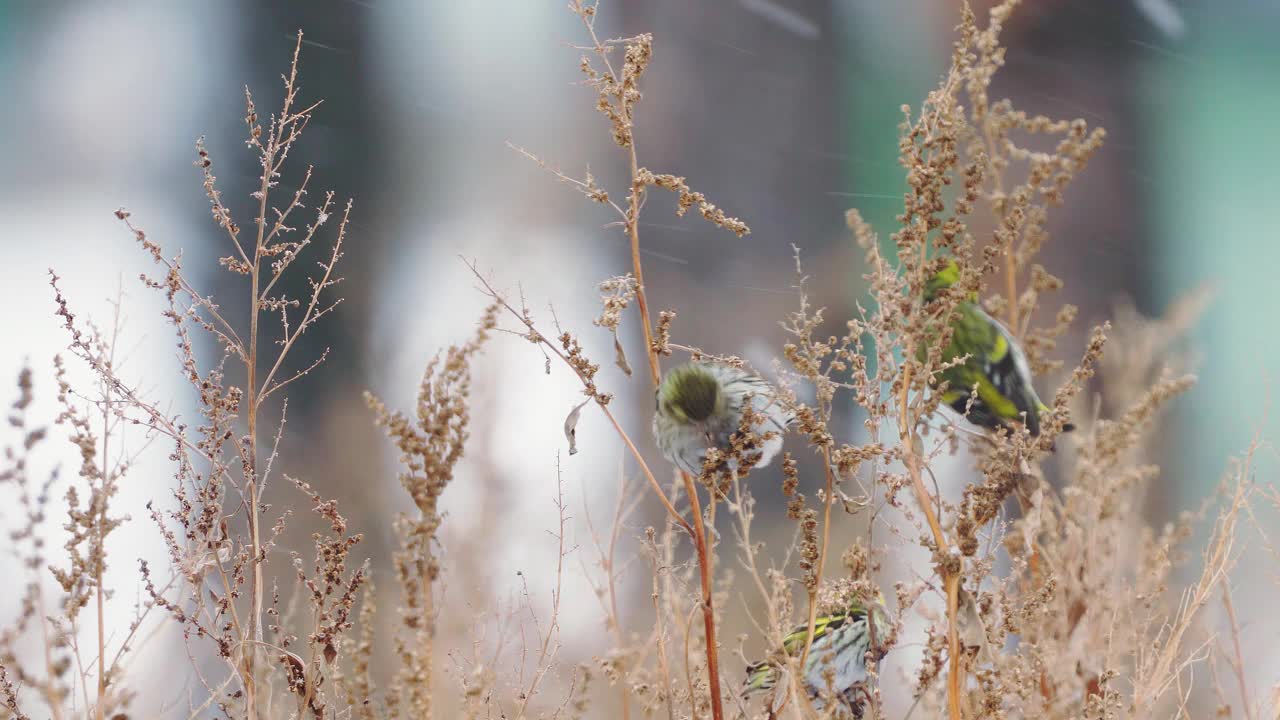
(1043, 599)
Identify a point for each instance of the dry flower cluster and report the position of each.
(1042, 599)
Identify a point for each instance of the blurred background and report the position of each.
(784, 112)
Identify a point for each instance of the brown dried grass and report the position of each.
(1069, 608)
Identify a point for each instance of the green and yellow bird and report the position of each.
(837, 661)
(995, 364)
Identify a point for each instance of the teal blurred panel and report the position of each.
(885, 63)
(6, 47)
(889, 58)
(1212, 110)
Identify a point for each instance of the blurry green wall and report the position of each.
(1212, 112)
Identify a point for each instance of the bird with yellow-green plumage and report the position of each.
(836, 666)
(983, 356)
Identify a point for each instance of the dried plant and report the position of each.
(51, 678)
(215, 532)
(1042, 599)
(430, 446)
(961, 152)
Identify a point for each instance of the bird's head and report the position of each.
(690, 394)
(878, 613)
(860, 603)
(943, 279)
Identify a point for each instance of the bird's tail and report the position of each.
(760, 676)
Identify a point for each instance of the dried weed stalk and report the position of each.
(961, 153)
(430, 446)
(215, 533)
(50, 677)
(618, 94)
(70, 680)
(1066, 608)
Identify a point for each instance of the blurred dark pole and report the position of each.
(342, 143)
(743, 91)
(1072, 59)
(741, 97)
(331, 441)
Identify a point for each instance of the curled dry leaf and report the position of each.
(620, 357)
(571, 426)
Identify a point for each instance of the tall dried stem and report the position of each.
(618, 94)
(101, 524)
(950, 571)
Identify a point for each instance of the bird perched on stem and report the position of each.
(837, 661)
(995, 365)
(700, 405)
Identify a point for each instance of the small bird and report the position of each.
(837, 659)
(699, 406)
(995, 363)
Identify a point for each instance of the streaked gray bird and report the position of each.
(838, 654)
(700, 405)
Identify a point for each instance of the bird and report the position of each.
(996, 364)
(700, 405)
(837, 660)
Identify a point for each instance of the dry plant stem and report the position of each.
(553, 629)
(55, 705)
(632, 223)
(1010, 256)
(774, 627)
(696, 530)
(822, 554)
(255, 536)
(615, 619)
(428, 618)
(46, 689)
(632, 220)
(642, 299)
(950, 578)
(664, 563)
(661, 573)
(708, 606)
(749, 559)
(1162, 663)
(99, 709)
(279, 140)
(655, 373)
(1011, 285)
(699, 532)
(662, 647)
(626, 439)
(688, 665)
(706, 572)
(700, 538)
(1237, 659)
(204, 515)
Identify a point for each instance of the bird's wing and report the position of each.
(764, 674)
(999, 368)
(793, 643)
(760, 676)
